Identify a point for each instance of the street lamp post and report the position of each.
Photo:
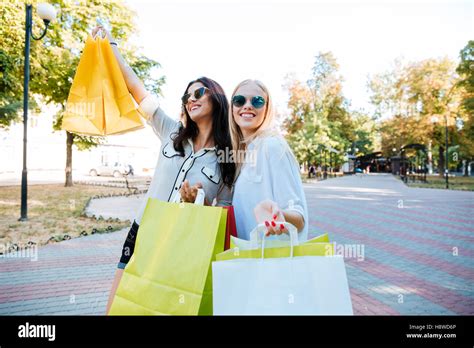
(446, 166)
(330, 162)
(325, 164)
(446, 170)
(321, 157)
(47, 13)
(435, 119)
(403, 168)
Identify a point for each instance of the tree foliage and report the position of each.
(465, 70)
(320, 118)
(54, 59)
(414, 101)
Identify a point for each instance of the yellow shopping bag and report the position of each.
(170, 269)
(99, 102)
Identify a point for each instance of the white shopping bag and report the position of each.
(300, 285)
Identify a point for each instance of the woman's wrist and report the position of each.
(294, 218)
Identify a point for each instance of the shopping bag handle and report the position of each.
(200, 197)
(261, 230)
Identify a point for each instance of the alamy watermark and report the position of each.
(14, 251)
(37, 331)
(84, 109)
(348, 251)
(237, 156)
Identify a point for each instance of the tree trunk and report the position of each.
(69, 142)
(441, 162)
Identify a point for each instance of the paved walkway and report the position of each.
(68, 278)
(122, 207)
(418, 243)
(408, 251)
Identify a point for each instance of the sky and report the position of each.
(230, 41)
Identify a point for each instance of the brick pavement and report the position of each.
(418, 243)
(69, 278)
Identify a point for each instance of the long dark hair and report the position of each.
(220, 127)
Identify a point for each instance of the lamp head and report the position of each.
(46, 12)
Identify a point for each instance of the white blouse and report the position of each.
(270, 172)
(172, 169)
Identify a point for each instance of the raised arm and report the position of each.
(134, 84)
(162, 124)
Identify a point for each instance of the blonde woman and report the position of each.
(268, 187)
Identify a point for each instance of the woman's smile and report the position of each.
(247, 115)
(194, 107)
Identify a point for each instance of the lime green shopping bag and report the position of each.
(317, 246)
(170, 269)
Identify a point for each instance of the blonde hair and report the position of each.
(239, 142)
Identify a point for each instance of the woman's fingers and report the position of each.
(277, 229)
(277, 214)
(283, 229)
(193, 191)
(186, 188)
(182, 194)
(104, 32)
(274, 228)
(183, 191)
(192, 194)
(188, 192)
(271, 230)
(95, 30)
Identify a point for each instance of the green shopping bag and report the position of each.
(277, 243)
(240, 249)
(170, 269)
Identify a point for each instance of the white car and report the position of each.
(116, 170)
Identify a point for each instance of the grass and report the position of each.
(455, 183)
(53, 210)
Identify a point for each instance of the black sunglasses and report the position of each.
(240, 100)
(198, 93)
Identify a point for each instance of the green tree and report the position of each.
(365, 132)
(54, 59)
(320, 119)
(11, 63)
(410, 97)
(465, 70)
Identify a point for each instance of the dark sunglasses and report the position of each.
(198, 93)
(240, 100)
